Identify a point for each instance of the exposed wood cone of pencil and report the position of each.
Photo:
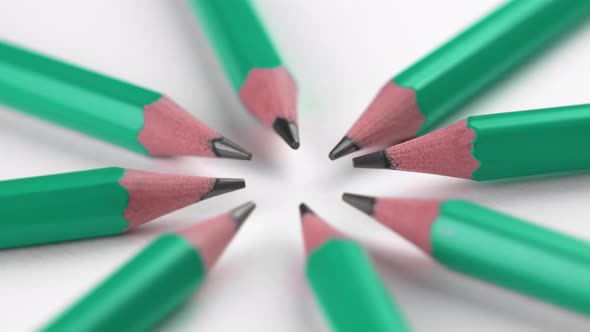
(345, 282)
(151, 285)
(121, 113)
(496, 146)
(252, 64)
(93, 203)
(413, 102)
(490, 245)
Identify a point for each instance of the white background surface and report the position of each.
(341, 52)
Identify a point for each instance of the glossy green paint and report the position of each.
(531, 142)
(62, 207)
(139, 294)
(94, 104)
(451, 75)
(349, 290)
(238, 37)
(513, 253)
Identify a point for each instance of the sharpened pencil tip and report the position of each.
(288, 131)
(242, 212)
(224, 148)
(304, 209)
(372, 160)
(344, 147)
(223, 186)
(363, 203)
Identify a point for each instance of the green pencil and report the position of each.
(156, 281)
(492, 246)
(418, 98)
(121, 113)
(496, 146)
(346, 285)
(251, 64)
(94, 203)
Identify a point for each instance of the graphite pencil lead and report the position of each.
(224, 148)
(223, 186)
(344, 147)
(372, 160)
(363, 203)
(304, 209)
(288, 131)
(242, 212)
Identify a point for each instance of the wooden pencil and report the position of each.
(491, 246)
(418, 98)
(121, 113)
(496, 146)
(100, 202)
(345, 283)
(251, 63)
(156, 281)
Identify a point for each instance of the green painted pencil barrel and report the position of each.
(457, 71)
(531, 142)
(237, 36)
(97, 105)
(512, 253)
(141, 293)
(62, 207)
(349, 290)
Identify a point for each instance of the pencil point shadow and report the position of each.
(154, 228)
(305, 305)
(180, 318)
(53, 137)
(184, 316)
(448, 188)
(405, 266)
(427, 274)
(543, 178)
(340, 175)
(262, 144)
(506, 81)
(514, 189)
(53, 254)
